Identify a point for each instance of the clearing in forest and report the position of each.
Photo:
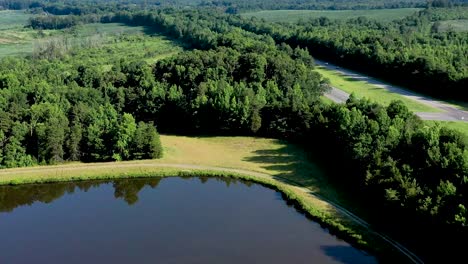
(296, 15)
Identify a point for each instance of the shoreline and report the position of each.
(336, 219)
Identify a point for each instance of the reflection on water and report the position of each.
(153, 220)
(12, 197)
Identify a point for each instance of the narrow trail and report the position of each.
(448, 112)
(298, 186)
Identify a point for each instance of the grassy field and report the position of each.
(16, 39)
(13, 36)
(136, 46)
(460, 25)
(296, 15)
(364, 89)
(13, 19)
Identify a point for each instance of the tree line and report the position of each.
(48, 116)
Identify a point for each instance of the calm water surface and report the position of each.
(171, 220)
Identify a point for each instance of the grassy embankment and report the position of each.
(296, 15)
(270, 162)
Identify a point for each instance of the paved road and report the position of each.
(449, 112)
(58, 170)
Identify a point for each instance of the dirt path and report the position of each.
(449, 112)
(54, 170)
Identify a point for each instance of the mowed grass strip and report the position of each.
(296, 15)
(364, 89)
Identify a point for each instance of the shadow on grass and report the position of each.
(154, 33)
(290, 164)
(351, 79)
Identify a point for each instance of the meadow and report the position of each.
(16, 39)
(297, 15)
(13, 19)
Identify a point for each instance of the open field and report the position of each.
(460, 25)
(136, 47)
(364, 89)
(14, 37)
(17, 40)
(296, 15)
(107, 28)
(13, 19)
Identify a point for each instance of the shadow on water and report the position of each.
(344, 254)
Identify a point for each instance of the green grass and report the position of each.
(367, 90)
(108, 28)
(13, 19)
(273, 163)
(118, 41)
(296, 15)
(460, 25)
(134, 47)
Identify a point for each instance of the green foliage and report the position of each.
(146, 143)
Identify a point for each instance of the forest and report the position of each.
(248, 77)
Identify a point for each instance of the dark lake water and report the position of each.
(171, 220)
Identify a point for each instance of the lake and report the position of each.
(169, 220)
